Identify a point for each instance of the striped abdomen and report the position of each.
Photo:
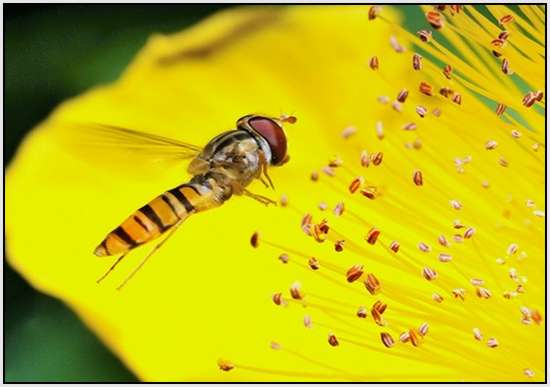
(156, 217)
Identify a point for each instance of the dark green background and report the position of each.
(53, 53)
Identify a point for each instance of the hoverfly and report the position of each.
(224, 167)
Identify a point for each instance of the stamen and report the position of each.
(492, 342)
(425, 35)
(225, 365)
(417, 62)
(372, 235)
(425, 88)
(349, 131)
(477, 334)
(372, 284)
(332, 340)
(362, 312)
(356, 184)
(314, 263)
(354, 273)
(374, 11)
(283, 258)
(296, 292)
(374, 64)
(402, 95)
(429, 273)
(417, 178)
(387, 340)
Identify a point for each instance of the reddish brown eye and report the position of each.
(274, 136)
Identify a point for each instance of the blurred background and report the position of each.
(52, 53)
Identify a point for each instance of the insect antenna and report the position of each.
(155, 249)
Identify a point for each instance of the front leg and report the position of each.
(238, 189)
(263, 170)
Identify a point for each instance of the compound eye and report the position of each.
(273, 134)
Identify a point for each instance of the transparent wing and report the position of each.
(125, 149)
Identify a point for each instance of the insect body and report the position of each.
(225, 167)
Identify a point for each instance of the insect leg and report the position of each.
(264, 164)
(262, 199)
(155, 249)
(111, 268)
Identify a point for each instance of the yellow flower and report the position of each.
(440, 276)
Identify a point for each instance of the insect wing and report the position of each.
(125, 149)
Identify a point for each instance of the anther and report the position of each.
(409, 126)
(491, 144)
(374, 63)
(307, 321)
(506, 67)
(349, 131)
(483, 293)
(446, 92)
(444, 257)
(492, 342)
(455, 204)
(477, 334)
(414, 338)
(339, 245)
(354, 273)
(425, 35)
(372, 235)
(402, 95)
(437, 298)
(417, 62)
(373, 12)
(477, 281)
(283, 258)
(429, 273)
(225, 365)
(423, 329)
(417, 178)
(501, 108)
(458, 293)
(447, 70)
(277, 298)
(387, 340)
(379, 127)
(421, 111)
(457, 98)
(376, 158)
(296, 292)
(356, 184)
(425, 88)
(314, 176)
(397, 47)
(434, 18)
(362, 312)
(372, 284)
(394, 246)
(443, 241)
(339, 209)
(332, 340)
(369, 192)
(505, 19)
(254, 239)
(469, 233)
(424, 247)
(313, 263)
(529, 99)
(396, 106)
(365, 159)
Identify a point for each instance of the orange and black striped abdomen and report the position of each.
(153, 219)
